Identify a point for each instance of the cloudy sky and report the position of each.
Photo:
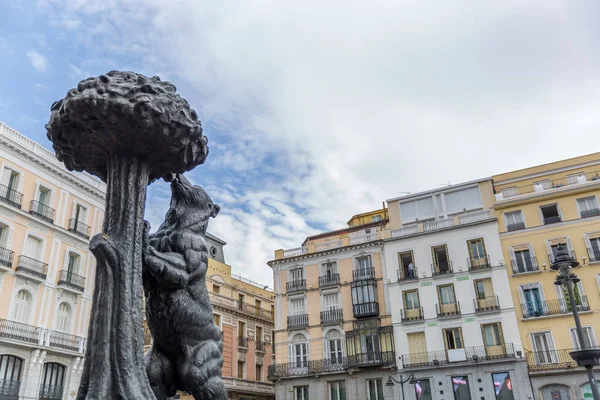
(318, 110)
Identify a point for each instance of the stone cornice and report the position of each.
(324, 253)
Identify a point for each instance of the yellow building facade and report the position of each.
(47, 215)
(333, 330)
(539, 209)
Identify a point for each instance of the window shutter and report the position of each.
(291, 354)
(569, 245)
(574, 339)
(6, 176)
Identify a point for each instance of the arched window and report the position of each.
(586, 390)
(22, 306)
(52, 383)
(298, 352)
(63, 318)
(10, 376)
(552, 392)
(334, 347)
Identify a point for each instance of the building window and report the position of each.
(298, 307)
(241, 329)
(421, 209)
(363, 264)
(63, 318)
(574, 178)
(411, 299)
(53, 381)
(3, 240)
(477, 254)
(447, 300)
(441, 261)
(406, 265)
(588, 207)
(453, 338)
(333, 343)
(374, 389)
(532, 296)
(259, 336)
(544, 184)
(241, 367)
(216, 289)
(543, 348)
(423, 389)
(588, 336)
(10, 186)
(460, 386)
(22, 306)
(217, 320)
(330, 302)
(241, 299)
(376, 218)
(297, 274)
(492, 334)
(257, 304)
(33, 248)
(550, 214)
(330, 269)
(301, 392)
(586, 389)
(298, 352)
(514, 220)
(72, 267)
(364, 292)
(523, 260)
(259, 372)
(556, 392)
(10, 374)
(502, 386)
(593, 245)
(337, 390)
(462, 200)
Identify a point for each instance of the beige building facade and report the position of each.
(47, 215)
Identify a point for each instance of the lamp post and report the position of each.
(401, 382)
(585, 356)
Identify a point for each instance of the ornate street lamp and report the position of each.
(585, 357)
(401, 382)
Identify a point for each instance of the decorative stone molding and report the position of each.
(259, 359)
(8, 214)
(38, 227)
(37, 358)
(68, 295)
(30, 283)
(80, 244)
(250, 334)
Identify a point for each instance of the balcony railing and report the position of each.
(364, 238)
(487, 304)
(405, 231)
(412, 314)
(477, 263)
(32, 267)
(593, 212)
(11, 196)
(9, 389)
(297, 321)
(6, 257)
(51, 392)
(255, 310)
(553, 219)
(407, 275)
(441, 268)
(71, 280)
(431, 226)
(524, 265)
(515, 227)
(363, 273)
(243, 342)
(332, 316)
(298, 251)
(371, 358)
(36, 335)
(65, 341)
(552, 307)
(306, 367)
(327, 245)
(572, 257)
(475, 217)
(260, 346)
(448, 309)
(463, 355)
(79, 228)
(41, 211)
(550, 359)
(329, 280)
(297, 285)
(594, 254)
(366, 309)
(19, 331)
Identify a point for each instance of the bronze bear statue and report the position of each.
(187, 346)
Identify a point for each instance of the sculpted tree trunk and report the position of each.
(129, 130)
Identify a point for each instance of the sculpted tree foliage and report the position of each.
(128, 130)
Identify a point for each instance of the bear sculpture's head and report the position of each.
(191, 207)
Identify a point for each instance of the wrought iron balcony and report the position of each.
(297, 321)
(572, 257)
(243, 342)
(71, 280)
(32, 267)
(332, 316)
(593, 212)
(329, 280)
(366, 309)
(19, 331)
(260, 346)
(550, 359)
(515, 227)
(9, 389)
(371, 358)
(552, 219)
(552, 307)
(477, 263)
(79, 228)
(51, 392)
(441, 268)
(487, 304)
(407, 275)
(448, 309)
(363, 273)
(412, 314)
(35, 335)
(297, 285)
(256, 311)
(6, 257)
(523, 265)
(312, 367)
(11, 196)
(594, 254)
(463, 355)
(42, 211)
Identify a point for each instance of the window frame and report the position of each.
(466, 378)
(595, 200)
(453, 330)
(336, 382)
(514, 212)
(378, 382)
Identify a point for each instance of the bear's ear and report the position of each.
(215, 210)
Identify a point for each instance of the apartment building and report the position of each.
(244, 310)
(47, 215)
(333, 333)
(538, 209)
(454, 320)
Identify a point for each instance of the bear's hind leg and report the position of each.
(200, 373)
(160, 374)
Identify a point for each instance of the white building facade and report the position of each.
(455, 327)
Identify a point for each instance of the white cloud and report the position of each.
(37, 60)
(343, 104)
